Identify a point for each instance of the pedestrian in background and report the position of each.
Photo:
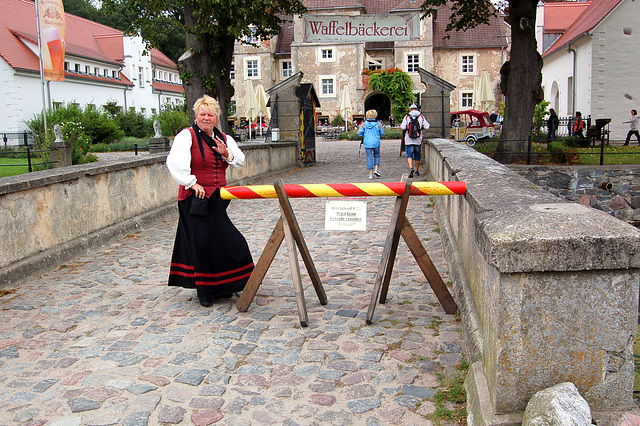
(552, 125)
(209, 253)
(633, 124)
(370, 131)
(414, 123)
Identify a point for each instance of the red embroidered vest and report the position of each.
(211, 174)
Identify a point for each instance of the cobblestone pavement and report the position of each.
(104, 341)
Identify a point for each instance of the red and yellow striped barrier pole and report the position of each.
(343, 190)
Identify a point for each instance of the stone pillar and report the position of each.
(60, 150)
(157, 145)
(547, 289)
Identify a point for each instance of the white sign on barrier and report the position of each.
(346, 215)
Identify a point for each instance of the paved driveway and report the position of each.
(104, 341)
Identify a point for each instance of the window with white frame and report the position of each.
(467, 64)
(413, 62)
(326, 54)
(252, 67)
(96, 71)
(327, 86)
(87, 69)
(232, 72)
(466, 100)
(375, 64)
(286, 69)
(140, 77)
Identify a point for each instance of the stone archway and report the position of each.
(381, 103)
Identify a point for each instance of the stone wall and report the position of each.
(50, 216)
(547, 289)
(612, 189)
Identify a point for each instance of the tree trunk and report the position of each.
(521, 82)
(206, 70)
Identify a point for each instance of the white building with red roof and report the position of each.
(101, 65)
(592, 66)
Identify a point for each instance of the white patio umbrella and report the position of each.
(262, 98)
(250, 103)
(345, 106)
(486, 99)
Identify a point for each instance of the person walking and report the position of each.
(371, 132)
(633, 124)
(413, 124)
(552, 125)
(209, 253)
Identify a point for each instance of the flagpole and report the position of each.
(44, 115)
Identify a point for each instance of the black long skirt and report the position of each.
(209, 253)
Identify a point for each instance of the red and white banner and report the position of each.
(362, 28)
(53, 30)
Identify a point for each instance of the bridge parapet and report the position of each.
(548, 289)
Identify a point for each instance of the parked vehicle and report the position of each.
(470, 126)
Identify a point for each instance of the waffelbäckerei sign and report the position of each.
(361, 28)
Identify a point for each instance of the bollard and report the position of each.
(394, 189)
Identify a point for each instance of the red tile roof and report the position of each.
(560, 16)
(592, 16)
(167, 87)
(84, 38)
(482, 36)
(157, 57)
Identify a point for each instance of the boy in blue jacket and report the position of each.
(371, 130)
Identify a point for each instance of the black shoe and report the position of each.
(411, 172)
(205, 302)
(417, 173)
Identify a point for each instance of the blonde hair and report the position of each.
(372, 113)
(208, 102)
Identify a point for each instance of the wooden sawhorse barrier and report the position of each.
(287, 227)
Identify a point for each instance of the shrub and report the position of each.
(337, 121)
(396, 84)
(172, 121)
(132, 124)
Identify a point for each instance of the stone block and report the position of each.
(559, 405)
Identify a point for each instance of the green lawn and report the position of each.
(6, 168)
(578, 156)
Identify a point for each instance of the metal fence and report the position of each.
(11, 139)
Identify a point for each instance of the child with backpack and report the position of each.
(372, 131)
(412, 125)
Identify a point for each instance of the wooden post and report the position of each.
(390, 248)
(286, 228)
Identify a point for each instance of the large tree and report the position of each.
(211, 28)
(521, 75)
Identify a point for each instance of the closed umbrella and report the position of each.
(486, 98)
(262, 98)
(250, 103)
(345, 105)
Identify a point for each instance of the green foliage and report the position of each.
(75, 134)
(539, 114)
(396, 84)
(172, 121)
(134, 124)
(337, 121)
(450, 401)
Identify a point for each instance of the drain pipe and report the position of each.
(573, 81)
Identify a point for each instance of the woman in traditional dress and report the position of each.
(209, 252)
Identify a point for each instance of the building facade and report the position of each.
(591, 66)
(101, 65)
(335, 67)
